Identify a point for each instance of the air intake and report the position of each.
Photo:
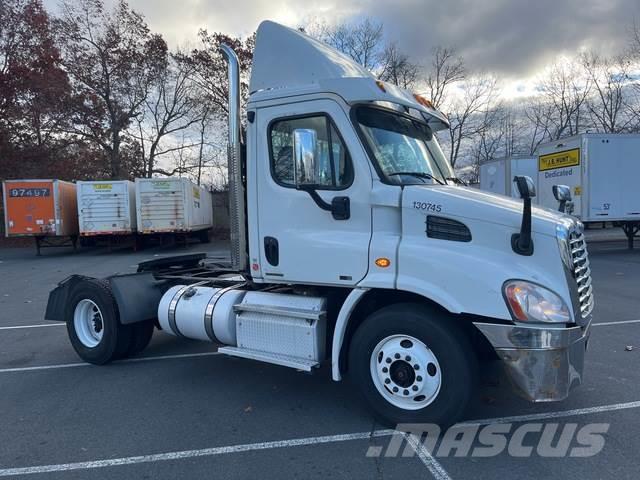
(447, 229)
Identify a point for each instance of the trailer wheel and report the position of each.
(93, 323)
(141, 334)
(412, 368)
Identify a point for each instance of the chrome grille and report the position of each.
(581, 272)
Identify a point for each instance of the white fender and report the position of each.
(341, 327)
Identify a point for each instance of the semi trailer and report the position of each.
(497, 175)
(600, 171)
(354, 246)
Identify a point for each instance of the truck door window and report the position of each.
(335, 171)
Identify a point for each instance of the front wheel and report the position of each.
(411, 366)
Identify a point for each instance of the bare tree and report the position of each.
(472, 113)
(397, 68)
(172, 107)
(447, 68)
(566, 91)
(608, 104)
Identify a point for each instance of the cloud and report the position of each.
(514, 38)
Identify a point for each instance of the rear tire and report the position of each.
(412, 366)
(141, 334)
(93, 323)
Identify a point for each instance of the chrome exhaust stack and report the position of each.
(237, 212)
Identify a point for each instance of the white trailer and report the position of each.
(497, 175)
(106, 207)
(602, 172)
(172, 205)
(353, 246)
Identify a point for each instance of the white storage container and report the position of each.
(106, 207)
(497, 176)
(602, 171)
(172, 205)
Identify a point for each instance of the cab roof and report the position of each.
(287, 60)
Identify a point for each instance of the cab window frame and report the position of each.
(329, 124)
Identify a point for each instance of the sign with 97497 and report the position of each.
(29, 192)
(427, 206)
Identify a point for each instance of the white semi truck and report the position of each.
(352, 244)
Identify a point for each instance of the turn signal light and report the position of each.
(380, 85)
(383, 262)
(423, 101)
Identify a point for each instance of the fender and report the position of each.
(341, 327)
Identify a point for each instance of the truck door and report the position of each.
(299, 241)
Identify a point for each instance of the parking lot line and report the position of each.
(550, 415)
(427, 459)
(128, 360)
(18, 327)
(621, 322)
(434, 467)
(205, 452)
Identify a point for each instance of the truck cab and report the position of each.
(352, 243)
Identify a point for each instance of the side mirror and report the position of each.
(526, 187)
(304, 157)
(562, 193)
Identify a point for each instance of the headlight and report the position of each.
(529, 302)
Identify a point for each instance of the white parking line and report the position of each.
(128, 360)
(205, 452)
(550, 415)
(621, 322)
(434, 467)
(19, 327)
(429, 461)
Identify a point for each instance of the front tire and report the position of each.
(412, 366)
(93, 323)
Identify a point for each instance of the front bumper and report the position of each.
(543, 362)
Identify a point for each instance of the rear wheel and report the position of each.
(411, 366)
(93, 323)
(141, 334)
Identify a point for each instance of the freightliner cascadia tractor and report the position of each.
(354, 245)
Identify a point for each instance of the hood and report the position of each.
(466, 202)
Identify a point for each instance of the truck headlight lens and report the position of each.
(529, 302)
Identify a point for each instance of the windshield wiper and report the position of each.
(420, 175)
(457, 181)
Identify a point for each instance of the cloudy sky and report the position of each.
(514, 38)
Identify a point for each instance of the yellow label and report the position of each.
(102, 186)
(161, 184)
(196, 193)
(577, 190)
(568, 158)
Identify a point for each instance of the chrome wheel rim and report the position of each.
(405, 372)
(88, 323)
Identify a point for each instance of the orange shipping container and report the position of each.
(40, 207)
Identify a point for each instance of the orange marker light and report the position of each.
(380, 85)
(383, 262)
(423, 101)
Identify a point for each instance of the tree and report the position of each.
(397, 68)
(566, 91)
(171, 108)
(447, 69)
(608, 104)
(472, 113)
(113, 60)
(33, 91)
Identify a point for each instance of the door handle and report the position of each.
(272, 250)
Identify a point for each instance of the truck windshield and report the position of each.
(405, 149)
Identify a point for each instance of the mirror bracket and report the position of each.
(340, 207)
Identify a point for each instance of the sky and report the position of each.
(513, 38)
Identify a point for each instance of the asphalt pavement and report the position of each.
(180, 410)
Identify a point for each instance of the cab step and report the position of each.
(268, 357)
